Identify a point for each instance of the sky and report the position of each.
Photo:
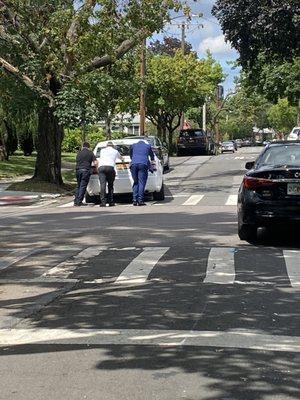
(209, 36)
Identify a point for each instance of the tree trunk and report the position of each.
(48, 146)
(108, 127)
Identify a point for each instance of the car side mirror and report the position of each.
(249, 164)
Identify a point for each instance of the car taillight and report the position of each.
(252, 183)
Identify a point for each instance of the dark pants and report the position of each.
(83, 177)
(139, 174)
(107, 176)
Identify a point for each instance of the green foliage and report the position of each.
(276, 80)
(175, 84)
(254, 27)
(73, 138)
(282, 116)
(169, 46)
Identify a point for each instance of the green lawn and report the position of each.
(19, 165)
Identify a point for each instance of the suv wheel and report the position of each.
(92, 199)
(159, 196)
(247, 232)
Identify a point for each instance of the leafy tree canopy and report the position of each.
(261, 26)
(169, 46)
(177, 83)
(282, 116)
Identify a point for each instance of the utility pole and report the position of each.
(220, 92)
(142, 93)
(183, 52)
(204, 117)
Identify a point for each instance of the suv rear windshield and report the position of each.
(192, 133)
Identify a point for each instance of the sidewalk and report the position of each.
(8, 197)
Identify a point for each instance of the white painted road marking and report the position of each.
(70, 204)
(193, 200)
(15, 256)
(251, 339)
(292, 262)
(220, 266)
(66, 267)
(232, 200)
(140, 267)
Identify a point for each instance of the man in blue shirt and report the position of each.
(139, 154)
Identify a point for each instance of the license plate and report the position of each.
(293, 189)
(122, 167)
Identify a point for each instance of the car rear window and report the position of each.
(194, 133)
(123, 149)
(281, 155)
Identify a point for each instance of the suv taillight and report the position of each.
(252, 183)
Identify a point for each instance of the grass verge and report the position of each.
(20, 165)
(33, 185)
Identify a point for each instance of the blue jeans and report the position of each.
(83, 177)
(139, 174)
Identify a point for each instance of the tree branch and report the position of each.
(13, 19)
(86, 8)
(11, 70)
(124, 47)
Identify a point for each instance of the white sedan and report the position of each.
(123, 182)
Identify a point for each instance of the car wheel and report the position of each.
(166, 167)
(159, 196)
(247, 232)
(92, 199)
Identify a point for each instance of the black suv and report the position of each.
(192, 141)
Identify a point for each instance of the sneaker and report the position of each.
(142, 204)
(111, 204)
(135, 203)
(102, 205)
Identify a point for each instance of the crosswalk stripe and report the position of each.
(141, 266)
(241, 339)
(71, 203)
(66, 267)
(220, 266)
(16, 256)
(292, 262)
(193, 200)
(232, 200)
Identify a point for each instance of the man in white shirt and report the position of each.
(107, 173)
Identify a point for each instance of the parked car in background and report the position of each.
(192, 141)
(227, 146)
(239, 142)
(270, 191)
(159, 148)
(295, 134)
(123, 182)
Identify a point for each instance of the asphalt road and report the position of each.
(159, 302)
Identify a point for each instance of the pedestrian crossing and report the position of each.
(178, 200)
(133, 265)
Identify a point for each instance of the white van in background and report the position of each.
(295, 134)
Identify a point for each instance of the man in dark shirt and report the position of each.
(139, 154)
(84, 160)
